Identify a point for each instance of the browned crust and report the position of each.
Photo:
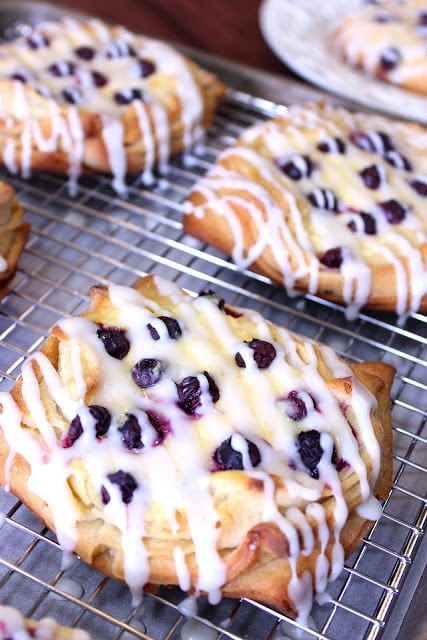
(256, 556)
(13, 238)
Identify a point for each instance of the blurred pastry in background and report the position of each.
(387, 40)
(89, 97)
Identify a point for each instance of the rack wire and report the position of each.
(98, 237)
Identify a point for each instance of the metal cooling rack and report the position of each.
(99, 237)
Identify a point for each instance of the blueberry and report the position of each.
(147, 372)
(75, 430)
(146, 67)
(228, 458)
(85, 52)
(372, 141)
(419, 185)
(72, 95)
(21, 75)
(189, 394)
(384, 16)
(99, 79)
(213, 387)
(390, 59)
(126, 484)
(308, 444)
(373, 176)
(331, 145)
(62, 68)
(332, 258)
(324, 199)
(102, 419)
(264, 353)
(37, 41)
(172, 326)
(296, 166)
(160, 424)
(120, 49)
(126, 96)
(131, 433)
(369, 224)
(396, 159)
(115, 342)
(296, 409)
(393, 210)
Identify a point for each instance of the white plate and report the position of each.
(299, 33)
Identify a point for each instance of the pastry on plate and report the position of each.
(325, 201)
(13, 233)
(172, 439)
(13, 626)
(387, 40)
(86, 96)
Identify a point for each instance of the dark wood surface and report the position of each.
(228, 28)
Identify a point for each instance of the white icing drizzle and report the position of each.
(116, 56)
(176, 475)
(296, 232)
(14, 626)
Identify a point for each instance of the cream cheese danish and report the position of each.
(87, 96)
(172, 439)
(324, 201)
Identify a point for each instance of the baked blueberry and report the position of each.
(373, 176)
(227, 458)
(394, 211)
(120, 49)
(85, 52)
(130, 432)
(308, 445)
(37, 41)
(332, 145)
(263, 353)
(172, 326)
(102, 419)
(160, 424)
(332, 258)
(72, 95)
(189, 394)
(62, 68)
(296, 166)
(126, 96)
(75, 430)
(419, 184)
(389, 59)
(146, 67)
(369, 224)
(147, 372)
(126, 483)
(324, 199)
(115, 342)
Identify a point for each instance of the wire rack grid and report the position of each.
(98, 237)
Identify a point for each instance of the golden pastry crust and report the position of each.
(13, 234)
(325, 201)
(214, 491)
(387, 41)
(13, 625)
(86, 96)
